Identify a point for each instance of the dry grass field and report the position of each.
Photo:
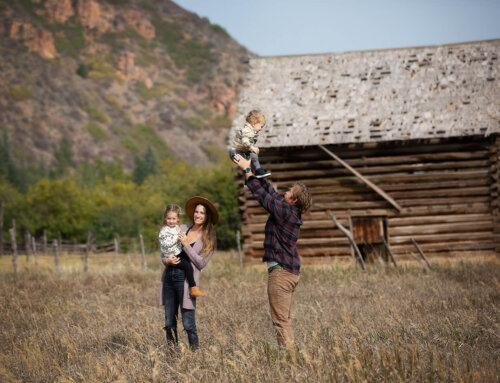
(382, 325)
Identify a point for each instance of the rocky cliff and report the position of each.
(114, 77)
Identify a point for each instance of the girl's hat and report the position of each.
(195, 201)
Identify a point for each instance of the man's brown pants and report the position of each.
(280, 288)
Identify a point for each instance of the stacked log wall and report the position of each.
(448, 191)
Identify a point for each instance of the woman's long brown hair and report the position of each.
(208, 234)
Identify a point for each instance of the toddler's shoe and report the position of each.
(261, 173)
(195, 292)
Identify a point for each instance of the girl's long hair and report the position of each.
(170, 208)
(208, 233)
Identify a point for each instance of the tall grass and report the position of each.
(382, 325)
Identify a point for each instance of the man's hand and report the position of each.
(256, 150)
(242, 162)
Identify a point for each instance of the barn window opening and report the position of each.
(369, 233)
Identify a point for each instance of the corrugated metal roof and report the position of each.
(371, 96)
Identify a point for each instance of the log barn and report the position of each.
(417, 132)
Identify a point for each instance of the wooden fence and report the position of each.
(30, 246)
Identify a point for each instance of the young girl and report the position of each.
(171, 246)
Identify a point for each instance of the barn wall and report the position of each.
(448, 191)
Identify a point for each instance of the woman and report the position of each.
(198, 243)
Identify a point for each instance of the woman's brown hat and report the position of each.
(195, 201)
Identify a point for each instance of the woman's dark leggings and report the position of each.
(173, 293)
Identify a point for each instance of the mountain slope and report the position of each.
(114, 77)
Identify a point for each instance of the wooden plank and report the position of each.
(455, 227)
(380, 160)
(425, 220)
(453, 192)
(465, 246)
(437, 238)
(320, 173)
(287, 154)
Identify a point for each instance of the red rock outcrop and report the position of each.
(58, 11)
(90, 15)
(140, 23)
(35, 38)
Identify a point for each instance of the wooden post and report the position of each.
(13, 242)
(1, 227)
(116, 251)
(35, 255)
(419, 261)
(238, 244)
(351, 248)
(350, 237)
(56, 255)
(364, 179)
(88, 249)
(421, 253)
(389, 250)
(144, 265)
(59, 240)
(27, 244)
(44, 241)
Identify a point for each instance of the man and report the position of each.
(280, 245)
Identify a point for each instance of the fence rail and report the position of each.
(33, 247)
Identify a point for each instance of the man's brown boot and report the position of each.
(195, 292)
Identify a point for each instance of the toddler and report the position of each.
(171, 246)
(245, 139)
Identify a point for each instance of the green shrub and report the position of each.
(195, 123)
(95, 130)
(156, 91)
(72, 39)
(217, 28)
(205, 113)
(129, 145)
(181, 103)
(96, 114)
(192, 55)
(102, 71)
(83, 70)
(20, 93)
(115, 39)
(139, 136)
(221, 121)
(147, 5)
(113, 101)
(145, 59)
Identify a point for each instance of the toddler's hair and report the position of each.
(255, 117)
(171, 208)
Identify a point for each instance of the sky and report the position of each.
(290, 27)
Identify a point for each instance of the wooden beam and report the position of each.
(365, 180)
(421, 253)
(389, 251)
(350, 237)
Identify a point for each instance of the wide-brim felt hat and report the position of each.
(195, 201)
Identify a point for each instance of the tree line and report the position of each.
(102, 198)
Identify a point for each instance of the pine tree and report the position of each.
(145, 166)
(63, 156)
(7, 167)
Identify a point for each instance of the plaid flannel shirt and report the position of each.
(282, 227)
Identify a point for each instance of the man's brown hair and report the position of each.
(255, 117)
(303, 196)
